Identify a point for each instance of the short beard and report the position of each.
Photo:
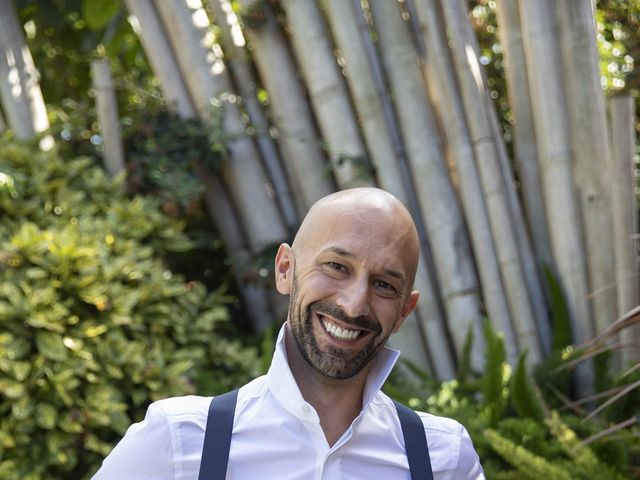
(335, 363)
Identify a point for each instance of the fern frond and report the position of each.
(523, 460)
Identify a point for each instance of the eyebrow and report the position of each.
(346, 254)
(340, 251)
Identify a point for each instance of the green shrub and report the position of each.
(93, 325)
(513, 430)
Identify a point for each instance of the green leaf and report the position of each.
(560, 318)
(524, 396)
(11, 389)
(464, 368)
(69, 423)
(22, 408)
(97, 13)
(6, 440)
(20, 370)
(51, 345)
(13, 348)
(46, 416)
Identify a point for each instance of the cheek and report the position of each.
(388, 312)
(315, 285)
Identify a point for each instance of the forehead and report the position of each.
(380, 236)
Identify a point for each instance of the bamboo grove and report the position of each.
(321, 96)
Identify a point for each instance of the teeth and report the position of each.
(341, 333)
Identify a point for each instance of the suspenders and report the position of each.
(217, 439)
(415, 443)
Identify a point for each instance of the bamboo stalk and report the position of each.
(234, 46)
(554, 147)
(622, 143)
(525, 147)
(107, 107)
(255, 298)
(530, 267)
(300, 146)
(589, 141)
(473, 92)
(387, 151)
(328, 93)
(153, 38)
(443, 85)
(411, 342)
(544, 67)
(222, 212)
(442, 216)
(367, 102)
(200, 64)
(19, 80)
(531, 270)
(3, 125)
(207, 80)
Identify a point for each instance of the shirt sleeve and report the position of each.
(145, 451)
(468, 467)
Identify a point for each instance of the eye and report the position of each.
(336, 266)
(387, 287)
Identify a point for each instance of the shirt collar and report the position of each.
(285, 389)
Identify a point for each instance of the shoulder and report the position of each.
(172, 418)
(434, 425)
(156, 447)
(450, 446)
(441, 426)
(170, 421)
(195, 408)
(178, 407)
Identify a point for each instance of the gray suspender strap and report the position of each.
(217, 437)
(415, 443)
(217, 440)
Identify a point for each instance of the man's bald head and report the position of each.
(370, 211)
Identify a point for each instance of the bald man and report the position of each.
(319, 412)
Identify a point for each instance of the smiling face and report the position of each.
(349, 275)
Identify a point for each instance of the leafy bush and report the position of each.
(516, 434)
(93, 325)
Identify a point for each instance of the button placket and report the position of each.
(331, 464)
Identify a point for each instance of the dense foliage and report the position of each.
(525, 427)
(520, 434)
(93, 324)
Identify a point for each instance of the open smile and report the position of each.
(339, 332)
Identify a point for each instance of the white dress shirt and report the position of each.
(277, 435)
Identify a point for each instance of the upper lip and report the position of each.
(340, 323)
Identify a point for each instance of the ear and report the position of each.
(408, 307)
(284, 269)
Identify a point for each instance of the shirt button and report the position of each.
(306, 409)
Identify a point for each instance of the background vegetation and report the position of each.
(114, 293)
(95, 324)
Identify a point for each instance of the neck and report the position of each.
(337, 402)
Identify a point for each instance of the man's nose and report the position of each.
(354, 298)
